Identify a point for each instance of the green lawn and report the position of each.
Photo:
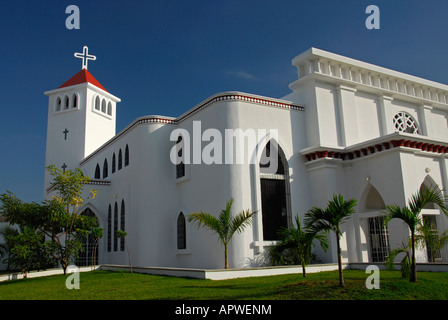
(105, 285)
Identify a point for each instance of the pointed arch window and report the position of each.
(109, 229)
(122, 223)
(113, 163)
(126, 156)
(105, 169)
(181, 232)
(120, 160)
(97, 172)
(115, 226)
(109, 108)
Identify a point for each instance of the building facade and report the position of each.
(347, 127)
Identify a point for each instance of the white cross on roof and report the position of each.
(85, 56)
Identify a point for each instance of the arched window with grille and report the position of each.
(88, 255)
(181, 232)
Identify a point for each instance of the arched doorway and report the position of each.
(88, 255)
(275, 194)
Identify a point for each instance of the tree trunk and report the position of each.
(341, 275)
(129, 254)
(413, 277)
(225, 257)
(303, 270)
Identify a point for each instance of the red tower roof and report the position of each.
(82, 76)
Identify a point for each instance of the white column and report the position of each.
(385, 108)
(348, 122)
(425, 120)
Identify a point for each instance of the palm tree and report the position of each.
(225, 225)
(429, 237)
(330, 219)
(410, 214)
(295, 246)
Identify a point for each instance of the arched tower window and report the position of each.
(105, 169)
(58, 104)
(109, 108)
(97, 103)
(75, 100)
(122, 223)
(103, 106)
(97, 172)
(113, 163)
(275, 194)
(66, 102)
(181, 232)
(126, 156)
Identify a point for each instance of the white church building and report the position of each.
(347, 126)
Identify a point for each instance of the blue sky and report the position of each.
(164, 57)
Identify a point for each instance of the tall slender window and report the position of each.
(180, 167)
(66, 102)
(113, 163)
(109, 229)
(122, 224)
(97, 172)
(109, 108)
(120, 160)
(115, 226)
(105, 169)
(126, 156)
(181, 232)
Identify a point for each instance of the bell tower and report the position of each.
(81, 118)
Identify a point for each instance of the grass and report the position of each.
(106, 285)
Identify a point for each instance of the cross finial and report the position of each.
(85, 56)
